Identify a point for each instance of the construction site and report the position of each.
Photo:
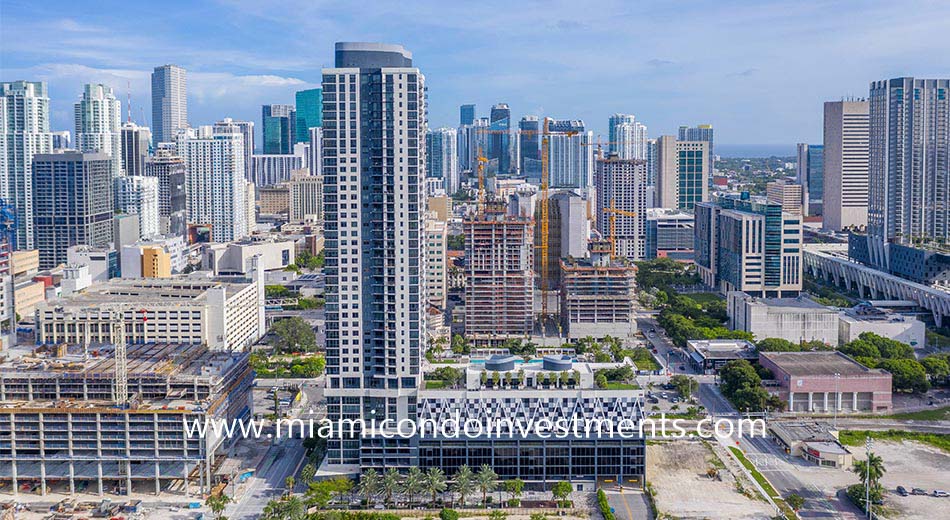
(598, 293)
(106, 420)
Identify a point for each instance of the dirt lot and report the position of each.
(677, 471)
(912, 464)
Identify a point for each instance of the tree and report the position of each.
(294, 334)
(937, 368)
(685, 385)
(434, 482)
(487, 481)
(289, 483)
(601, 380)
(514, 488)
(877, 470)
(285, 508)
(860, 349)
(414, 484)
(562, 490)
(464, 482)
(889, 348)
(370, 484)
(460, 345)
(907, 374)
(392, 482)
(777, 345)
(217, 504)
(737, 374)
(795, 501)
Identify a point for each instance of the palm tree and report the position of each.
(307, 473)
(414, 484)
(876, 471)
(217, 504)
(392, 482)
(287, 508)
(434, 482)
(464, 482)
(289, 483)
(487, 481)
(370, 483)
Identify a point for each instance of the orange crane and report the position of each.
(613, 211)
(481, 178)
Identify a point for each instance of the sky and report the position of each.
(756, 70)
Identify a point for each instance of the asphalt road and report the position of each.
(664, 347)
(628, 504)
(281, 461)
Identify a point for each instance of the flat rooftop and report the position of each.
(804, 430)
(800, 302)
(723, 348)
(821, 363)
(149, 290)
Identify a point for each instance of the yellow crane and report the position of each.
(612, 212)
(481, 159)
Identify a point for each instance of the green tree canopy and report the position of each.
(907, 374)
(294, 334)
(777, 345)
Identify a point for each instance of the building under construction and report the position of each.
(597, 294)
(499, 279)
(65, 426)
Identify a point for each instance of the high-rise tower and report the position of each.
(169, 102)
(845, 164)
(98, 118)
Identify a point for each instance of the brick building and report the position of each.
(809, 381)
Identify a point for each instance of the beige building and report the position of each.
(274, 200)
(25, 262)
(306, 198)
(436, 269)
(156, 263)
(683, 170)
(788, 194)
(846, 165)
(813, 441)
(442, 206)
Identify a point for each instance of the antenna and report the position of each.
(128, 90)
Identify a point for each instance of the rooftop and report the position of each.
(723, 348)
(819, 363)
(122, 292)
(804, 430)
(801, 303)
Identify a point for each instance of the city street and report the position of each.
(284, 458)
(628, 504)
(670, 357)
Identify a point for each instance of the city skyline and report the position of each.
(234, 67)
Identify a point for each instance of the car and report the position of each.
(941, 493)
(652, 330)
(918, 491)
(664, 395)
(675, 400)
(682, 367)
(655, 351)
(902, 491)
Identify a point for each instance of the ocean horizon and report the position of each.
(744, 151)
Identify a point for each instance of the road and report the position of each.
(282, 460)
(665, 349)
(628, 504)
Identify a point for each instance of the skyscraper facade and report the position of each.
(279, 128)
(170, 170)
(499, 140)
(315, 162)
(138, 195)
(169, 102)
(246, 129)
(570, 155)
(24, 132)
(810, 173)
(627, 137)
(374, 207)
(683, 169)
(216, 190)
(442, 158)
(98, 115)
(909, 164)
(309, 112)
(135, 143)
(529, 147)
(472, 140)
(621, 187)
(466, 115)
(72, 203)
(845, 155)
(700, 133)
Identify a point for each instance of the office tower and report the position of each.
(570, 156)
(436, 266)
(750, 246)
(845, 184)
(246, 129)
(683, 169)
(627, 137)
(24, 132)
(621, 212)
(374, 207)
(568, 234)
(909, 165)
(529, 147)
(700, 133)
(280, 128)
(72, 203)
(98, 116)
(669, 234)
(471, 140)
(215, 187)
(309, 112)
(169, 102)
(788, 194)
(499, 277)
(171, 172)
(442, 157)
(136, 141)
(810, 173)
(62, 140)
(268, 170)
(315, 161)
(139, 196)
(598, 294)
(499, 140)
(306, 198)
(466, 115)
(652, 161)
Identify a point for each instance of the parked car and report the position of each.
(902, 491)
(664, 395)
(941, 493)
(918, 491)
(683, 367)
(652, 330)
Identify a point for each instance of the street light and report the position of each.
(867, 478)
(837, 398)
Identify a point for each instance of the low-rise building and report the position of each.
(103, 262)
(235, 258)
(813, 441)
(155, 257)
(709, 355)
(823, 381)
(796, 319)
(865, 318)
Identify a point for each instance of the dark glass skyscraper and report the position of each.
(529, 139)
(279, 128)
(500, 139)
(466, 114)
(309, 104)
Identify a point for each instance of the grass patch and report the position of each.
(435, 384)
(856, 437)
(936, 414)
(755, 473)
(703, 297)
(614, 385)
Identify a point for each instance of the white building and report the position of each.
(627, 137)
(845, 197)
(270, 169)
(621, 212)
(139, 196)
(98, 115)
(169, 102)
(216, 189)
(315, 161)
(570, 157)
(174, 246)
(794, 319)
(236, 258)
(246, 129)
(306, 198)
(24, 132)
(864, 318)
(442, 158)
(436, 268)
(103, 262)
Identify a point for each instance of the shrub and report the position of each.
(448, 514)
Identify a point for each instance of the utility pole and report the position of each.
(867, 477)
(837, 377)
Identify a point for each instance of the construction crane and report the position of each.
(600, 145)
(481, 159)
(612, 212)
(121, 362)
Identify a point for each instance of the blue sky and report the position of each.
(758, 71)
